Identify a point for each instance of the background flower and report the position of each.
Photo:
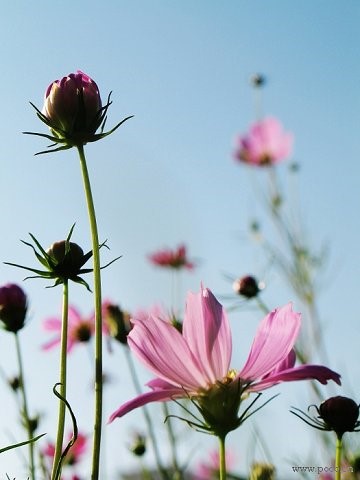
(175, 259)
(81, 329)
(266, 143)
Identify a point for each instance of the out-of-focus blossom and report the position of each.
(262, 471)
(75, 454)
(80, 329)
(258, 80)
(73, 111)
(338, 414)
(116, 322)
(196, 363)
(63, 261)
(138, 445)
(247, 286)
(209, 468)
(175, 259)
(13, 307)
(265, 144)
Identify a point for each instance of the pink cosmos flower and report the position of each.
(209, 469)
(265, 144)
(81, 329)
(175, 259)
(75, 453)
(196, 363)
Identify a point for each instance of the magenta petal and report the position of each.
(273, 342)
(153, 396)
(50, 344)
(303, 372)
(207, 332)
(52, 324)
(165, 352)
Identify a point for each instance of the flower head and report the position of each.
(138, 445)
(262, 471)
(338, 414)
(63, 261)
(265, 144)
(80, 329)
(116, 322)
(196, 363)
(247, 286)
(76, 451)
(73, 111)
(13, 307)
(209, 469)
(174, 259)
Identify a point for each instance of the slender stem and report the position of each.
(147, 416)
(177, 471)
(222, 458)
(25, 410)
(62, 389)
(262, 305)
(98, 317)
(338, 459)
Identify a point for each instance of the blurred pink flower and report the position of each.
(209, 469)
(196, 363)
(75, 453)
(80, 329)
(265, 144)
(175, 259)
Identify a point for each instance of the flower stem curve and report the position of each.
(98, 316)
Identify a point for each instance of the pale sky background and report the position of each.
(167, 176)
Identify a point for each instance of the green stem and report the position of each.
(338, 459)
(25, 410)
(222, 458)
(147, 416)
(62, 389)
(177, 472)
(98, 317)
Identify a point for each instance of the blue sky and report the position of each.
(167, 176)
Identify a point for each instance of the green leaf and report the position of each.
(16, 445)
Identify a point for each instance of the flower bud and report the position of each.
(67, 257)
(246, 286)
(14, 383)
(258, 80)
(262, 471)
(138, 447)
(72, 107)
(117, 321)
(13, 307)
(340, 414)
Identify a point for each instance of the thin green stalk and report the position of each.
(338, 459)
(62, 386)
(222, 458)
(147, 416)
(25, 410)
(172, 440)
(98, 317)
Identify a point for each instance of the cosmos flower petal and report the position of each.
(303, 372)
(157, 395)
(273, 342)
(50, 344)
(164, 351)
(207, 332)
(52, 324)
